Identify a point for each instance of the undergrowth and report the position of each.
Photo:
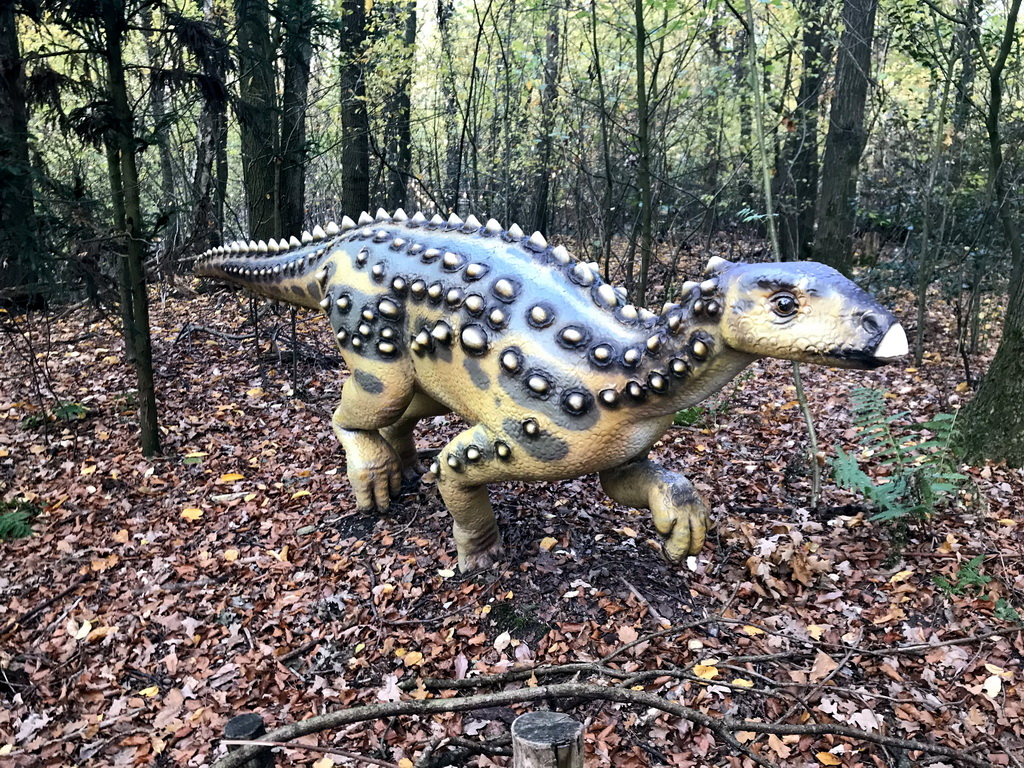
(16, 519)
(922, 465)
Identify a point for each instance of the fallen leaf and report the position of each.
(779, 746)
(192, 513)
(827, 758)
(823, 666)
(548, 542)
(231, 477)
(992, 686)
(705, 671)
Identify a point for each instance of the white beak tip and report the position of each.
(893, 344)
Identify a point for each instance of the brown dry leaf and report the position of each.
(778, 746)
(823, 666)
(827, 758)
(627, 634)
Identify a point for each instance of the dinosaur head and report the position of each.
(803, 311)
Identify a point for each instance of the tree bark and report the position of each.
(799, 181)
(993, 422)
(847, 135)
(546, 739)
(210, 177)
(256, 110)
(355, 124)
(19, 257)
(643, 176)
(548, 104)
(168, 207)
(122, 152)
(399, 147)
(297, 50)
(450, 190)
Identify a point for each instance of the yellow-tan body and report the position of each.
(556, 374)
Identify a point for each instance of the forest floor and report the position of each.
(160, 597)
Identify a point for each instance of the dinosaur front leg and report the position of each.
(464, 467)
(680, 514)
(401, 434)
(369, 403)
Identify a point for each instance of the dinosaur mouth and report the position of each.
(893, 345)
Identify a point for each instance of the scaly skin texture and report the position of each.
(557, 376)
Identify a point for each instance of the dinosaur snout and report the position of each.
(893, 344)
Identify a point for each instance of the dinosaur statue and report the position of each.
(556, 374)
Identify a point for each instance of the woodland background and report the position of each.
(195, 551)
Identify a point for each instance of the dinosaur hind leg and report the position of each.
(369, 403)
(401, 438)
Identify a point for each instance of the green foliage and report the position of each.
(70, 412)
(16, 519)
(63, 412)
(968, 577)
(922, 467)
(969, 580)
(689, 416)
(709, 414)
(1006, 612)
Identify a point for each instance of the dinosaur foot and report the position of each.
(479, 561)
(681, 518)
(374, 470)
(477, 553)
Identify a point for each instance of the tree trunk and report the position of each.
(643, 139)
(168, 207)
(399, 148)
(548, 104)
(993, 423)
(210, 177)
(607, 189)
(450, 190)
(847, 135)
(257, 117)
(19, 265)
(799, 183)
(741, 76)
(355, 124)
(122, 153)
(297, 50)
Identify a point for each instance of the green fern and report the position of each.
(922, 468)
(16, 519)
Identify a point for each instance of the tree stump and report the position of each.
(247, 727)
(547, 740)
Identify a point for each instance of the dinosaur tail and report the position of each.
(283, 270)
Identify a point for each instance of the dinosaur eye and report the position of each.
(784, 304)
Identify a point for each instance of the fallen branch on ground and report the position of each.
(724, 728)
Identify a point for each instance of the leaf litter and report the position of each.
(160, 597)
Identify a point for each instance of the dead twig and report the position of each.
(724, 728)
(21, 621)
(311, 747)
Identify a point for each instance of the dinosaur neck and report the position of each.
(709, 377)
(686, 359)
